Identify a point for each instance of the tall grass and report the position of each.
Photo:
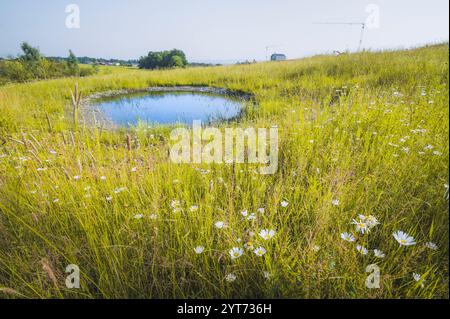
(354, 130)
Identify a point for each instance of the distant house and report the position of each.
(278, 57)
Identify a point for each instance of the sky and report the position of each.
(219, 30)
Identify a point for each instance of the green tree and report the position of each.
(72, 64)
(164, 59)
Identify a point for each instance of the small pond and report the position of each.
(168, 107)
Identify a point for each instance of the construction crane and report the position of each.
(363, 29)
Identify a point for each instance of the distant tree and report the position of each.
(30, 54)
(72, 64)
(164, 59)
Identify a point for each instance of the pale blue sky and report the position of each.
(210, 30)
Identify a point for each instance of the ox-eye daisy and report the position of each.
(362, 249)
(348, 237)
(219, 225)
(361, 226)
(266, 234)
(236, 252)
(230, 277)
(199, 249)
(431, 245)
(260, 251)
(378, 253)
(403, 238)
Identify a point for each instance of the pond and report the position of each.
(169, 107)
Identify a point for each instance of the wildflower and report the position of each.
(248, 245)
(134, 169)
(153, 216)
(109, 198)
(284, 204)
(431, 245)
(76, 177)
(41, 169)
(406, 150)
(404, 239)
(103, 178)
(416, 276)
(236, 252)
(378, 253)
(362, 249)
(219, 225)
(361, 226)
(316, 248)
(347, 237)
(266, 234)
(266, 274)
(260, 251)
(138, 216)
(251, 217)
(437, 153)
(56, 200)
(428, 147)
(260, 210)
(199, 249)
(193, 208)
(119, 190)
(335, 202)
(230, 277)
(371, 221)
(244, 213)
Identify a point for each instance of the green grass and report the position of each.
(366, 149)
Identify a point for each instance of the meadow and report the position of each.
(363, 154)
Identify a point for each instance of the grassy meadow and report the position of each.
(359, 134)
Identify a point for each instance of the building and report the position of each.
(278, 57)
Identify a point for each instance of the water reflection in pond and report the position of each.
(168, 107)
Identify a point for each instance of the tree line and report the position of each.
(32, 65)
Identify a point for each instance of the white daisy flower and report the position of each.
(316, 248)
(335, 202)
(219, 225)
(361, 226)
(193, 208)
(378, 253)
(431, 245)
(260, 251)
(284, 204)
(266, 234)
(348, 237)
(199, 249)
(416, 276)
(371, 221)
(236, 252)
(403, 238)
(230, 277)
(362, 249)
